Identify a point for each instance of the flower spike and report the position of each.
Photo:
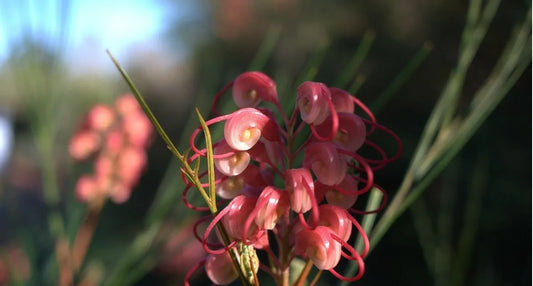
(311, 215)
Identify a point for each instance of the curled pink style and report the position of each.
(250, 88)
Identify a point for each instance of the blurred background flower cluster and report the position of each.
(472, 226)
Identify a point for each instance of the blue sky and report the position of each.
(91, 26)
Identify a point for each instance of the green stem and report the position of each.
(146, 109)
(495, 88)
(190, 173)
(424, 230)
(470, 227)
(373, 203)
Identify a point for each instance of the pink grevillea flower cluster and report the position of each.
(117, 137)
(291, 181)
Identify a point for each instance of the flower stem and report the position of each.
(305, 272)
(85, 234)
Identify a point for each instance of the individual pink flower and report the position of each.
(86, 188)
(230, 186)
(337, 219)
(343, 195)
(232, 164)
(250, 182)
(319, 246)
(129, 165)
(312, 101)
(137, 128)
(100, 117)
(127, 104)
(239, 210)
(220, 268)
(271, 205)
(119, 192)
(83, 144)
(327, 164)
(114, 141)
(250, 88)
(104, 166)
(351, 132)
(245, 128)
(269, 152)
(300, 187)
(342, 100)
